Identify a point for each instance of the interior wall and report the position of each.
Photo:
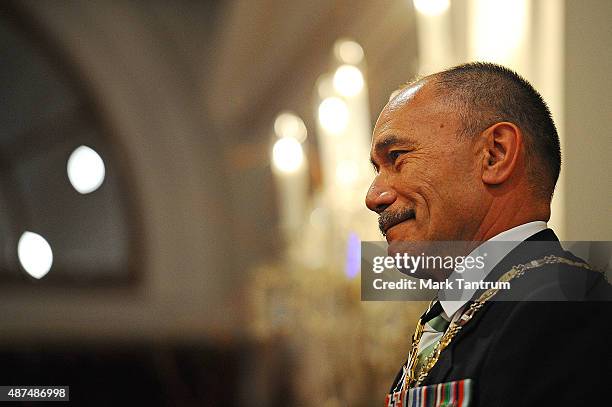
(588, 140)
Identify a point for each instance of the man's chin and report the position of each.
(425, 273)
(411, 248)
(403, 232)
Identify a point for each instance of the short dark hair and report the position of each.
(486, 93)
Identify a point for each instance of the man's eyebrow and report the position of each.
(392, 140)
(386, 142)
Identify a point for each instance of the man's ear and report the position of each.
(503, 145)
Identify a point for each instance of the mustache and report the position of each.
(390, 219)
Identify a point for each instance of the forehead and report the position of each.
(411, 109)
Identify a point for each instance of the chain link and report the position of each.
(517, 271)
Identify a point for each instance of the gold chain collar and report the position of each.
(410, 377)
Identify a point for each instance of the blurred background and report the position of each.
(182, 184)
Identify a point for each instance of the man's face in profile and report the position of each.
(427, 185)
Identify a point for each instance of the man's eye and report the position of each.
(394, 155)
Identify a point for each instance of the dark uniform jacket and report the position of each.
(532, 352)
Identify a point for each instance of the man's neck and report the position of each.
(507, 215)
(495, 252)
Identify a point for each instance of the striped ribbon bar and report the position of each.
(450, 394)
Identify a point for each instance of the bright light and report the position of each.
(34, 254)
(487, 41)
(347, 172)
(348, 51)
(289, 125)
(333, 115)
(85, 170)
(431, 7)
(287, 155)
(348, 80)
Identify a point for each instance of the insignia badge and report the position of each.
(450, 394)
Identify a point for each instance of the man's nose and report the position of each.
(379, 197)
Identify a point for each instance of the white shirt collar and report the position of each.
(495, 253)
